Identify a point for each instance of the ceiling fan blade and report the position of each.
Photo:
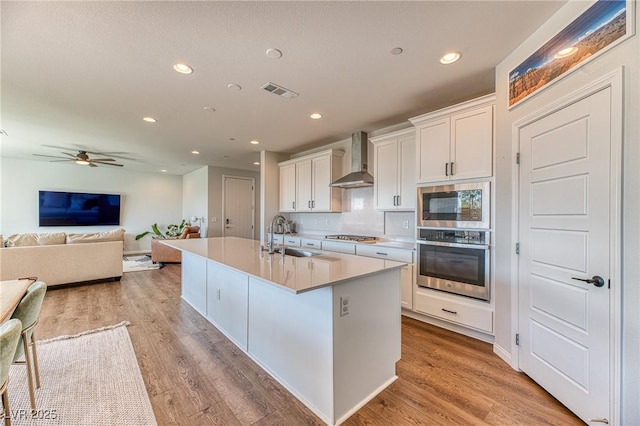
(50, 156)
(102, 159)
(92, 165)
(106, 164)
(70, 155)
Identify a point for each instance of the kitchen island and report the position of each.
(326, 326)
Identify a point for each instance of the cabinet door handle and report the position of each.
(313, 204)
(451, 312)
(382, 254)
(446, 169)
(452, 168)
(309, 204)
(398, 200)
(293, 205)
(311, 244)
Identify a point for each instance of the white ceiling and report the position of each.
(82, 75)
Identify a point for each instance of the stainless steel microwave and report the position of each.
(464, 205)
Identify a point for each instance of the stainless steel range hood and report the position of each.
(359, 177)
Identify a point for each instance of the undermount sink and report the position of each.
(288, 251)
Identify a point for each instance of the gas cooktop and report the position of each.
(352, 238)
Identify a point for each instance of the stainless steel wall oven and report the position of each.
(455, 261)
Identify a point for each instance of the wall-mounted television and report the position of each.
(59, 208)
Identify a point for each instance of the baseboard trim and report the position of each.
(502, 353)
(449, 326)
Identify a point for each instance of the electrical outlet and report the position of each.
(344, 305)
(405, 224)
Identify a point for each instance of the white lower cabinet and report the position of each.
(399, 255)
(466, 313)
(194, 281)
(227, 301)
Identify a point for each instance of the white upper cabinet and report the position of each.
(288, 188)
(304, 183)
(456, 142)
(394, 180)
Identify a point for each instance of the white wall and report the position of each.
(146, 197)
(625, 54)
(214, 229)
(195, 197)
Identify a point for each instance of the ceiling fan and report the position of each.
(82, 157)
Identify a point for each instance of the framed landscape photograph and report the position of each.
(603, 25)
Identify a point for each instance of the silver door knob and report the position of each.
(595, 280)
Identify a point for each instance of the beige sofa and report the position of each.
(82, 257)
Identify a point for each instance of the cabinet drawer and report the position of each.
(348, 248)
(388, 253)
(465, 314)
(308, 243)
(292, 241)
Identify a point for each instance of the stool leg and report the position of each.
(35, 359)
(6, 409)
(27, 361)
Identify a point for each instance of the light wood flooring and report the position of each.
(195, 376)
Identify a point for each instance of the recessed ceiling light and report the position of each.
(209, 109)
(149, 119)
(195, 152)
(234, 86)
(164, 170)
(182, 68)
(565, 52)
(232, 139)
(316, 116)
(274, 53)
(450, 57)
(256, 163)
(254, 142)
(396, 50)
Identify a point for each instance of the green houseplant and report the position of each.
(173, 231)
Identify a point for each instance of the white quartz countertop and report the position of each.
(296, 274)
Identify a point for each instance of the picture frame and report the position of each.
(603, 25)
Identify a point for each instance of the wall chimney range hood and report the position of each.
(359, 177)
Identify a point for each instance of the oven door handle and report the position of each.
(458, 245)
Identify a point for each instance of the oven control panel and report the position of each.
(453, 236)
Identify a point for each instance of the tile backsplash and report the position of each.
(358, 217)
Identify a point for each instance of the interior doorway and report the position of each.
(568, 238)
(238, 209)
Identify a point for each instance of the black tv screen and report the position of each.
(57, 208)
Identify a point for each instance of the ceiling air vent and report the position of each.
(279, 90)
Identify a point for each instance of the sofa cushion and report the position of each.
(96, 237)
(36, 239)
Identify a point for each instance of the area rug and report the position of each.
(89, 379)
(138, 263)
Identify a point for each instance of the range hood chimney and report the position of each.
(359, 177)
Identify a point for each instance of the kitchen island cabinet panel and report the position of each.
(227, 301)
(194, 282)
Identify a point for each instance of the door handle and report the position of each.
(226, 221)
(446, 169)
(595, 280)
(452, 168)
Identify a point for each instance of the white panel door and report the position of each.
(238, 207)
(564, 234)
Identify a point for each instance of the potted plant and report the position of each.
(173, 231)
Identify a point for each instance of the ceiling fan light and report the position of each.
(82, 162)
